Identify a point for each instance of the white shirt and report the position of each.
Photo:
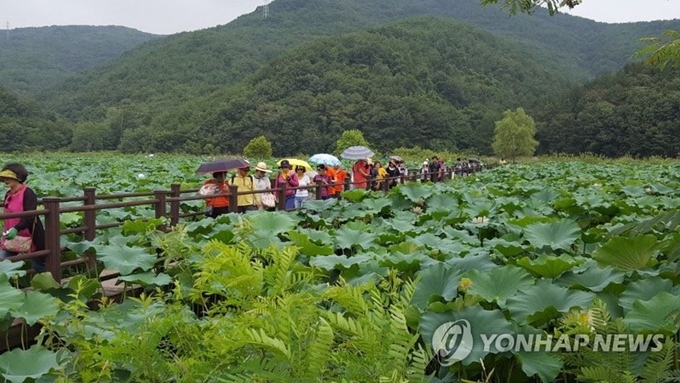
(304, 181)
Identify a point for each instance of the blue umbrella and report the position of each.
(325, 159)
(357, 153)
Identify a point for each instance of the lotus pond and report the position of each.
(354, 290)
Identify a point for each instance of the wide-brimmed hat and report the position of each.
(8, 174)
(285, 164)
(261, 166)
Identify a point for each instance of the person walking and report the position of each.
(288, 178)
(263, 201)
(20, 198)
(340, 177)
(217, 185)
(301, 195)
(323, 180)
(245, 184)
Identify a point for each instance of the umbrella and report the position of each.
(325, 159)
(223, 165)
(357, 153)
(397, 159)
(294, 163)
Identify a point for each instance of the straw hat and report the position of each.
(8, 174)
(261, 166)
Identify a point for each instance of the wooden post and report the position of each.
(174, 205)
(282, 196)
(53, 237)
(90, 216)
(346, 186)
(233, 199)
(318, 190)
(90, 221)
(160, 207)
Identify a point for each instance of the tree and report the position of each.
(258, 147)
(528, 6)
(662, 52)
(515, 135)
(352, 137)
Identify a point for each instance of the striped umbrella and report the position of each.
(357, 153)
(325, 159)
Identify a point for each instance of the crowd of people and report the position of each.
(364, 174)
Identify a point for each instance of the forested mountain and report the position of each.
(635, 111)
(168, 71)
(24, 127)
(32, 59)
(436, 83)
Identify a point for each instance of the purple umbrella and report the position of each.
(222, 165)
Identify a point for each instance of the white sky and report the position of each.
(171, 16)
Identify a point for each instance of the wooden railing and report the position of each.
(159, 199)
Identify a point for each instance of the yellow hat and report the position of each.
(9, 174)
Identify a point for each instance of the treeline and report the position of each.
(633, 112)
(33, 59)
(435, 83)
(176, 69)
(24, 127)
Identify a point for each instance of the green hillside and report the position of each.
(24, 127)
(635, 111)
(181, 67)
(431, 82)
(32, 59)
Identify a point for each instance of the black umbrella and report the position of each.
(222, 165)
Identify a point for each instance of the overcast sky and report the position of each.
(171, 16)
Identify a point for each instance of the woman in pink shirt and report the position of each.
(290, 179)
(20, 198)
(360, 175)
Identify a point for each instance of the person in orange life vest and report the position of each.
(340, 176)
(330, 172)
(20, 198)
(218, 205)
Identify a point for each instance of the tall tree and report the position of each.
(515, 135)
(352, 137)
(662, 51)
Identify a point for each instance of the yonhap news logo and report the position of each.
(452, 342)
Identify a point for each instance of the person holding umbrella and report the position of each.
(244, 183)
(290, 179)
(217, 185)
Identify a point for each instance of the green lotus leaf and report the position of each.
(355, 195)
(538, 304)
(659, 314)
(506, 247)
(320, 205)
(307, 247)
(274, 223)
(348, 238)
(11, 298)
(330, 262)
(125, 259)
(44, 281)
(147, 279)
(446, 246)
(499, 283)
(12, 269)
(404, 262)
(542, 364)
(415, 192)
(547, 266)
(482, 322)
(556, 235)
(437, 281)
(375, 205)
(644, 290)
(140, 226)
(36, 306)
(18, 365)
(473, 261)
(442, 202)
(594, 279)
(627, 253)
(406, 247)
